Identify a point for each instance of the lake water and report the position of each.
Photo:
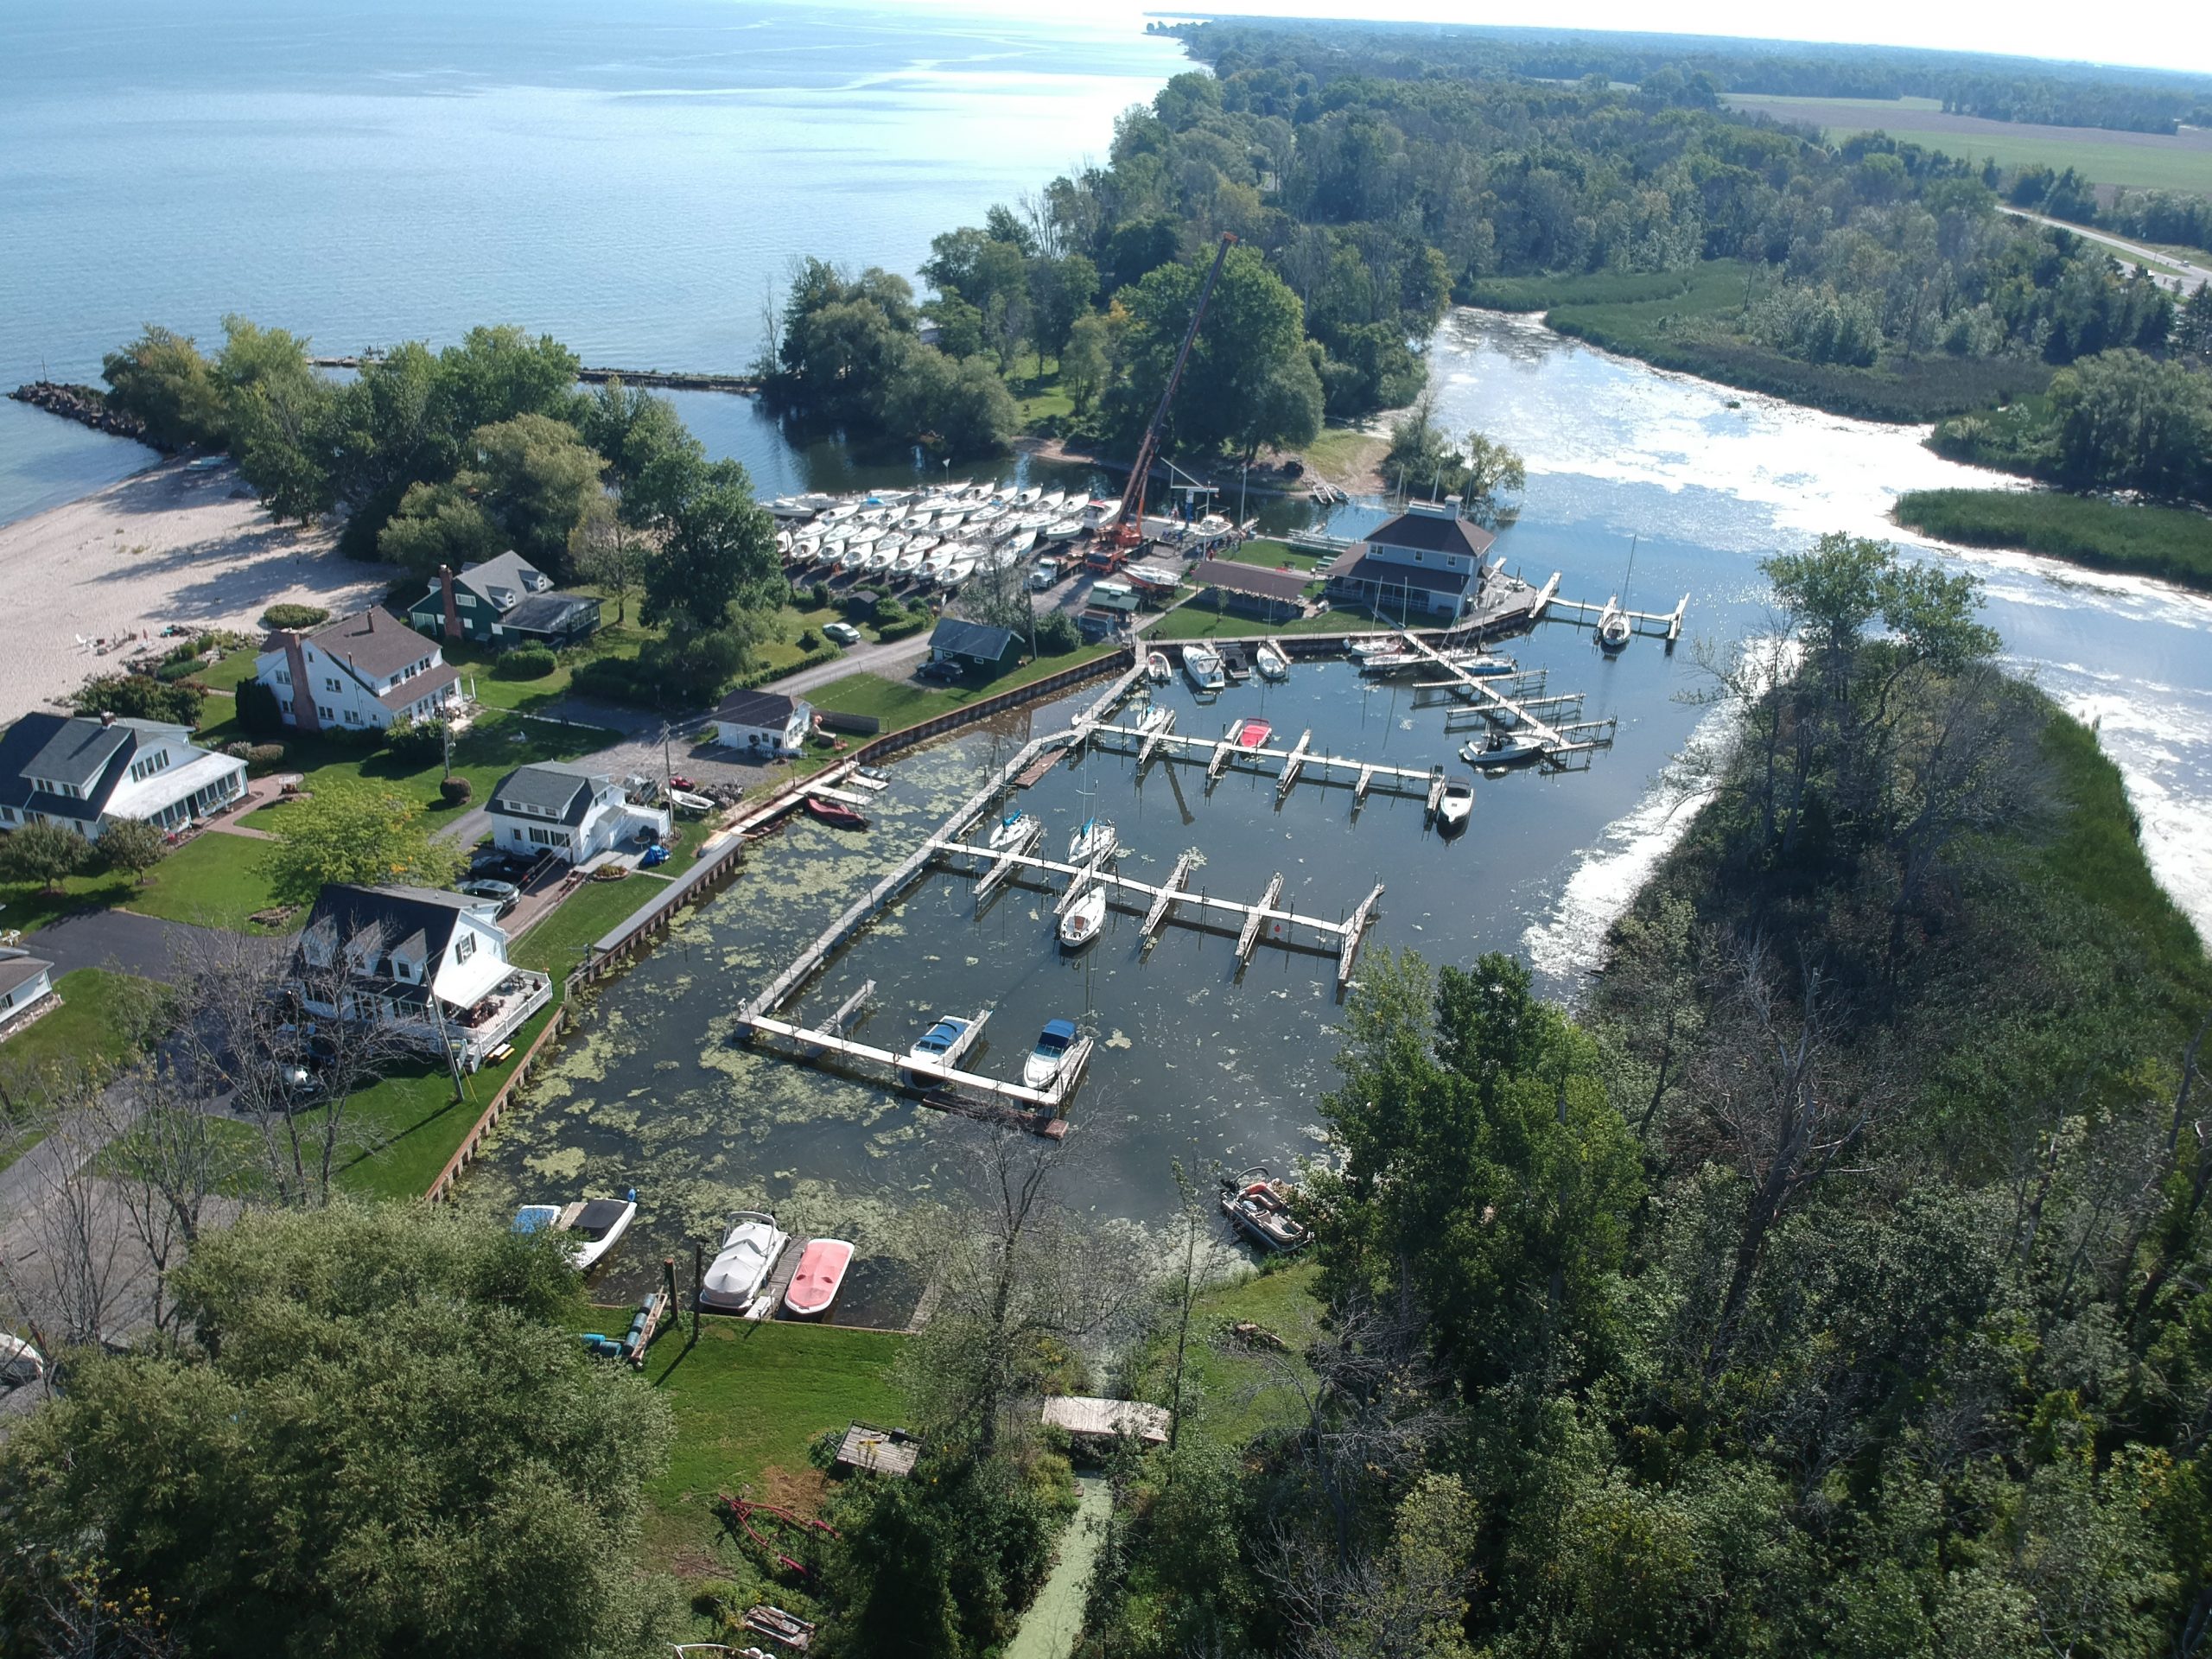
(629, 178)
(1197, 1060)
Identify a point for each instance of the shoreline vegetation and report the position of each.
(2173, 543)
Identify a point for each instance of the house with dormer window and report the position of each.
(359, 673)
(84, 774)
(431, 965)
(570, 812)
(501, 602)
(1423, 566)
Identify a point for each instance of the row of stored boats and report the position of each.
(934, 538)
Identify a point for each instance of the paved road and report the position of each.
(114, 939)
(2193, 275)
(894, 661)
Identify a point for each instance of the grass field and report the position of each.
(210, 880)
(1242, 1391)
(2150, 160)
(557, 944)
(1275, 555)
(1196, 620)
(89, 1029)
(1343, 452)
(901, 703)
(748, 1398)
(2169, 542)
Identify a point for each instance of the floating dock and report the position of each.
(1217, 752)
(1666, 624)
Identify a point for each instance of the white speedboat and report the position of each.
(1157, 669)
(1375, 644)
(1054, 1044)
(1081, 922)
(1270, 661)
(1094, 840)
(1502, 749)
(1202, 668)
(1455, 809)
(593, 1225)
(934, 1045)
(742, 1265)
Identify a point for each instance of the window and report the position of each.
(464, 947)
(282, 675)
(352, 716)
(324, 712)
(146, 765)
(547, 838)
(467, 601)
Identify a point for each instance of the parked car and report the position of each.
(844, 632)
(942, 669)
(503, 894)
(489, 863)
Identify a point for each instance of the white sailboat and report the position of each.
(1081, 922)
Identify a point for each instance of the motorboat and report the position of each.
(869, 778)
(1093, 842)
(1010, 830)
(1613, 632)
(742, 1265)
(1259, 1208)
(1054, 1044)
(817, 1279)
(1202, 668)
(684, 801)
(20, 1363)
(1250, 734)
(1157, 667)
(1080, 922)
(593, 1225)
(836, 814)
(1457, 806)
(1502, 749)
(1270, 661)
(932, 1046)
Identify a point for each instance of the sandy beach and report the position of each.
(170, 544)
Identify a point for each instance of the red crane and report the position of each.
(1127, 530)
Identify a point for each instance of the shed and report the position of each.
(1255, 589)
(885, 1451)
(974, 644)
(1087, 1417)
(762, 722)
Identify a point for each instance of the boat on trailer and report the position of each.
(818, 1278)
(1259, 1207)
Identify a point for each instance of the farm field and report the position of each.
(2152, 161)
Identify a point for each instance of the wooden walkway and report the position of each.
(1555, 740)
(1218, 752)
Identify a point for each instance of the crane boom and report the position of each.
(1128, 528)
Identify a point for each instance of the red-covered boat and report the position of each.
(819, 1276)
(836, 814)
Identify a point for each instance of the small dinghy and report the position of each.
(1259, 1208)
(1054, 1044)
(836, 814)
(817, 1279)
(742, 1265)
(1158, 669)
(1081, 922)
(684, 801)
(1501, 749)
(1455, 809)
(1250, 734)
(1270, 661)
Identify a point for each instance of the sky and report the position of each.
(2167, 35)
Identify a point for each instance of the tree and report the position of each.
(382, 1426)
(161, 378)
(1086, 361)
(652, 460)
(45, 853)
(133, 846)
(952, 408)
(496, 375)
(361, 833)
(605, 552)
(721, 556)
(275, 409)
(2125, 420)
(1250, 350)
(138, 696)
(1491, 470)
(437, 524)
(534, 477)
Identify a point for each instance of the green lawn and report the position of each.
(2169, 542)
(1343, 451)
(1275, 554)
(901, 703)
(2172, 163)
(235, 668)
(1242, 1390)
(1197, 620)
(748, 1398)
(89, 1029)
(557, 943)
(210, 880)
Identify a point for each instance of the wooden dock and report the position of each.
(1556, 742)
(1157, 725)
(1355, 931)
(1297, 760)
(1258, 914)
(1164, 900)
(932, 1074)
(1217, 752)
(1665, 624)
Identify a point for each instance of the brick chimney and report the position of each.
(453, 611)
(107, 717)
(295, 657)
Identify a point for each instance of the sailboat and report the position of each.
(1082, 920)
(1614, 627)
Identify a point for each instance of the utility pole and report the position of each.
(667, 765)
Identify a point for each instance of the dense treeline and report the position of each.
(1834, 1285)
(1998, 88)
(447, 457)
(2171, 216)
(1366, 187)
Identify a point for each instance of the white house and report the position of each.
(25, 981)
(433, 965)
(1427, 561)
(85, 774)
(764, 722)
(567, 811)
(359, 673)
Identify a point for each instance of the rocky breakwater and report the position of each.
(86, 405)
